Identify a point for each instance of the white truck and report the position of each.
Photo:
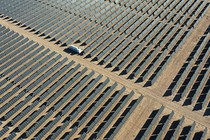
(75, 49)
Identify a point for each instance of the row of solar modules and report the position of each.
(160, 125)
(138, 46)
(192, 83)
(44, 95)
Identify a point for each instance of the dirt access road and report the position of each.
(153, 93)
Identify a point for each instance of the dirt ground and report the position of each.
(154, 93)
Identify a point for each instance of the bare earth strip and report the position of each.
(152, 93)
(179, 58)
